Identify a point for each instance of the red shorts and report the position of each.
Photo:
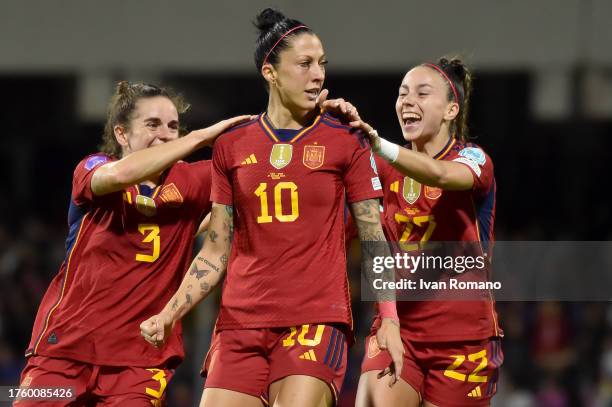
(249, 360)
(103, 385)
(453, 374)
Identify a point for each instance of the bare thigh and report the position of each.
(374, 392)
(300, 391)
(215, 397)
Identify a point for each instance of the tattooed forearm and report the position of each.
(373, 244)
(211, 265)
(206, 270)
(228, 223)
(199, 273)
(367, 218)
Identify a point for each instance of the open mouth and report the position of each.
(312, 93)
(411, 118)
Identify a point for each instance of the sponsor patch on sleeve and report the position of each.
(470, 163)
(94, 161)
(376, 184)
(475, 154)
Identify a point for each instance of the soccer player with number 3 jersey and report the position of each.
(133, 215)
(440, 187)
(280, 186)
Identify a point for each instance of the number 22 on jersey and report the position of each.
(276, 195)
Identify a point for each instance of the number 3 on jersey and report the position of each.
(151, 237)
(262, 193)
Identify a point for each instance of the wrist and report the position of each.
(388, 309)
(388, 150)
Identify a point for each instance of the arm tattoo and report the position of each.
(367, 218)
(212, 265)
(204, 288)
(213, 236)
(224, 260)
(175, 304)
(228, 225)
(198, 272)
(373, 244)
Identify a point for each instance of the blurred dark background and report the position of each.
(541, 107)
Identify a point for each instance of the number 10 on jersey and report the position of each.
(262, 193)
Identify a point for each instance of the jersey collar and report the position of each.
(271, 132)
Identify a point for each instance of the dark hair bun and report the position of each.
(265, 20)
(454, 66)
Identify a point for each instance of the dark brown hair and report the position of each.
(122, 105)
(461, 77)
(272, 25)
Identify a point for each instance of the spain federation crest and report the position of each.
(314, 156)
(411, 190)
(280, 156)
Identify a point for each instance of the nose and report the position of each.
(408, 100)
(318, 73)
(165, 133)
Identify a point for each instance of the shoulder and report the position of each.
(92, 161)
(470, 151)
(342, 132)
(240, 130)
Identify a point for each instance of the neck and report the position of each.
(432, 145)
(283, 117)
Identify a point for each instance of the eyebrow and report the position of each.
(418, 87)
(158, 120)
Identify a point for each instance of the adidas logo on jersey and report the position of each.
(310, 355)
(394, 187)
(475, 393)
(249, 160)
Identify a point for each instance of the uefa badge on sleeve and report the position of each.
(280, 156)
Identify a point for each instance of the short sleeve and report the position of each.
(81, 179)
(361, 175)
(481, 166)
(201, 174)
(221, 185)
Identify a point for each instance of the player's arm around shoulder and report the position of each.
(448, 175)
(205, 273)
(142, 164)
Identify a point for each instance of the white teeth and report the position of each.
(411, 116)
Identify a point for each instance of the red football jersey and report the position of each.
(126, 254)
(419, 213)
(289, 189)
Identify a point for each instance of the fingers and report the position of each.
(237, 120)
(384, 373)
(322, 97)
(398, 364)
(152, 331)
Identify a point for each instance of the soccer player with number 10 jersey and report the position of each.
(280, 186)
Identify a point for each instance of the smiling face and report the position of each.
(423, 107)
(154, 121)
(299, 74)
